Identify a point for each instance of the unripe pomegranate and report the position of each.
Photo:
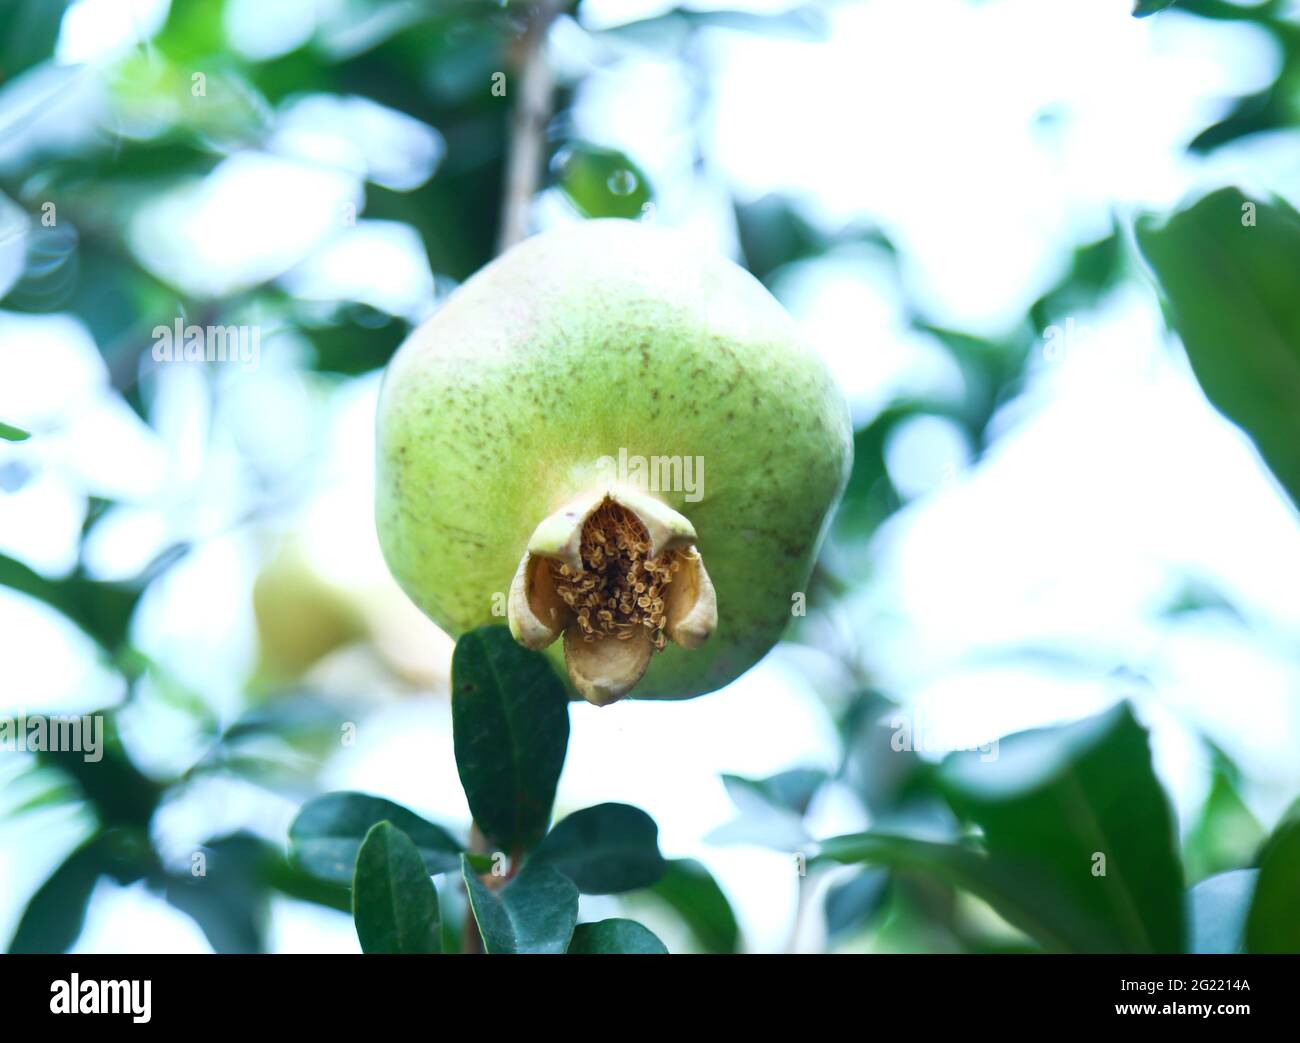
(619, 443)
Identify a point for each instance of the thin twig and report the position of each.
(532, 112)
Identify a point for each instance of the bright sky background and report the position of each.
(986, 140)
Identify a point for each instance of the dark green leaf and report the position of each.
(1227, 267)
(605, 850)
(13, 434)
(1033, 904)
(1080, 806)
(329, 830)
(690, 890)
(56, 913)
(510, 719)
(614, 937)
(1274, 922)
(535, 913)
(394, 904)
(227, 899)
(1217, 910)
(1142, 8)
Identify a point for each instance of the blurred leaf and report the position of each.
(1231, 294)
(119, 793)
(614, 937)
(690, 890)
(535, 913)
(774, 233)
(329, 831)
(1023, 899)
(1227, 834)
(102, 610)
(1142, 8)
(28, 31)
(1216, 911)
(604, 850)
(351, 348)
(394, 903)
(671, 30)
(510, 722)
(228, 900)
(13, 434)
(789, 791)
(56, 913)
(1055, 801)
(601, 182)
(849, 905)
(1274, 921)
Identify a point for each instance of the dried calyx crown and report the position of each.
(617, 573)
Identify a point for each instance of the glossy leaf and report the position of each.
(510, 718)
(1227, 267)
(614, 937)
(328, 833)
(690, 890)
(535, 913)
(605, 850)
(394, 903)
(1080, 806)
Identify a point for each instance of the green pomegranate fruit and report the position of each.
(618, 443)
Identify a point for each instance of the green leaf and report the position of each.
(789, 791)
(510, 719)
(394, 903)
(1142, 8)
(690, 890)
(56, 913)
(13, 434)
(228, 900)
(852, 903)
(614, 937)
(1080, 806)
(605, 850)
(1226, 835)
(329, 830)
(602, 182)
(1230, 287)
(1274, 922)
(1217, 910)
(1027, 901)
(535, 913)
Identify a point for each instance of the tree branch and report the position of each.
(528, 123)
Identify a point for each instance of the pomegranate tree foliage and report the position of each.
(1067, 835)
